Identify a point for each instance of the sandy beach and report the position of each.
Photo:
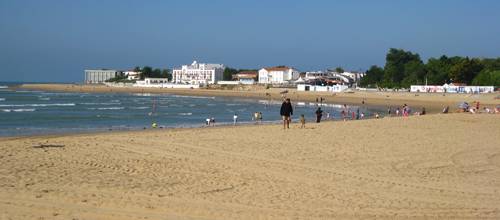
(433, 102)
(437, 166)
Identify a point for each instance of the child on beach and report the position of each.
(302, 121)
(328, 116)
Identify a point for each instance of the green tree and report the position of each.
(156, 73)
(137, 69)
(373, 76)
(146, 72)
(414, 73)
(466, 70)
(227, 75)
(491, 64)
(487, 78)
(339, 69)
(396, 60)
(165, 73)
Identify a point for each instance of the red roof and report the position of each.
(277, 69)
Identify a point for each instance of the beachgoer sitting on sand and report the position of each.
(422, 112)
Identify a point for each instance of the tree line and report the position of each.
(403, 68)
(145, 72)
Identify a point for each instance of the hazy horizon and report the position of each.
(47, 41)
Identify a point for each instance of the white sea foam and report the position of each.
(90, 108)
(20, 110)
(139, 107)
(92, 103)
(5, 110)
(43, 98)
(4, 87)
(2, 99)
(42, 105)
(115, 100)
(189, 113)
(111, 108)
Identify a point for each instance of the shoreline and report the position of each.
(434, 103)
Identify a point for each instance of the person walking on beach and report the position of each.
(260, 118)
(397, 112)
(235, 119)
(319, 113)
(328, 116)
(357, 114)
(213, 122)
(207, 122)
(256, 118)
(389, 112)
(286, 111)
(302, 121)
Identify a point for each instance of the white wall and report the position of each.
(235, 82)
(313, 88)
(452, 89)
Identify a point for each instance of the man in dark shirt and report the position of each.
(285, 111)
(319, 113)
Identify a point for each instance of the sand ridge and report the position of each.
(419, 167)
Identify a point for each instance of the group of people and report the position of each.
(208, 121)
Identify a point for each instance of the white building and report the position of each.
(278, 75)
(132, 75)
(101, 75)
(198, 73)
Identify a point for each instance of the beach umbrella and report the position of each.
(463, 104)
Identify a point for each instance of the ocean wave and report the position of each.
(115, 100)
(2, 99)
(90, 108)
(4, 87)
(189, 113)
(43, 98)
(40, 105)
(138, 107)
(18, 110)
(111, 108)
(92, 103)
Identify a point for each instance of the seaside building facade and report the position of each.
(101, 75)
(198, 73)
(246, 76)
(278, 75)
(132, 75)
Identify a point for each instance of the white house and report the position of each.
(132, 75)
(198, 73)
(245, 76)
(278, 75)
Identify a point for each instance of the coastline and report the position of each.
(433, 166)
(434, 103)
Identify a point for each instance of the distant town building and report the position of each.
(101, 75)
(132, 75)
(245, 76)
(198, 73)
(278, 75)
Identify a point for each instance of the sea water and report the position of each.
(35, 112)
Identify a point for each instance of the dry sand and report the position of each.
(419, 167)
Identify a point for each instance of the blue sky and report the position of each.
(55, 41)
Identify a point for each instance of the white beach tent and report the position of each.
(300, 80)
